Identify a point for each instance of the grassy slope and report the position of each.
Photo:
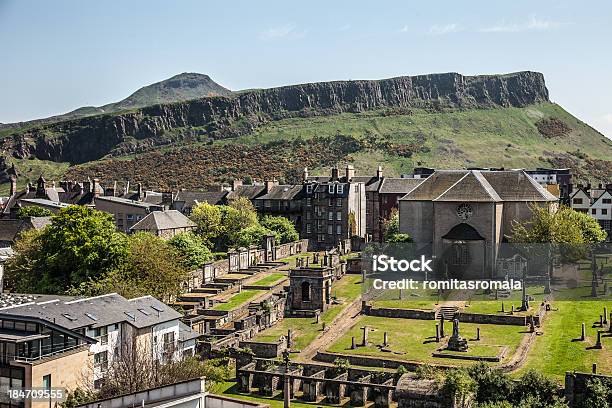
(505, 137)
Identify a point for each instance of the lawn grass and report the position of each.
(238, 300)
(555, 352)
(412, 299)
(230, 389)
(269, 280)
(305, 330)
(482, 303)
(415, 340)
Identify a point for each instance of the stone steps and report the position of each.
(447, 311)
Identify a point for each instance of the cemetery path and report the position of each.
(336, 329)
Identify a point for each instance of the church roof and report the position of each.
(479, 186)
(163, 220)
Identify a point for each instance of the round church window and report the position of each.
(464, 211)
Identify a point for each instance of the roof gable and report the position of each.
(471, 187)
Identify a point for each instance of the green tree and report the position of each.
(192, 248)
(533, 386)
(493, 384)
(208, 219)
(80, 244)
(391, 232)
(598, 394)
(283, 228)
(565, 226)
(32, 211)
(24, 269)
(458, 386)
(252, 235)
(245, 214)
(154, 267)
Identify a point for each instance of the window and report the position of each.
(607, 200)
(330, 215)
(101, 334)
(321, 238)
(46, 382)
(308, 188)
(308, 215)
(330, 202)
(461, 254)
(339, 229)
(308, 202)
(577, 201)
(338, 202)
(338, 215)
(130, 217)
(594, 211)
(330, 189)
(604, 211)
(101, 360)
(267, 203)
(330, 229)
(308, 229)
(340, 189)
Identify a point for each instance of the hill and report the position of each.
(181, 87)
(445, 121)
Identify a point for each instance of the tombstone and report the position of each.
(512, 310)
(531, 324)
(600, 321)
(598, 345)
(456, 342)
(353, 345)
(610, 327)
(496, 294)
(438, 332)
(583, 333)
(503, 308)
(385, 339)
(364, 341)
(478, 334)
(594, 286)
(318, 317)
(605, 316)
(594, 368)
(289, 338)
(442, 326)
(323, 328)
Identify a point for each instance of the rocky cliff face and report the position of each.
(91, 138)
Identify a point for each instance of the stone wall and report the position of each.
(264, 349)
(576, 383)
(400, 313)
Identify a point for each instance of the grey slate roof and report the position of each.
(282, 192)
(479, 186)
(126, 201)
(44, 202)
(163, 220)
(392, 185)
(249, 191)
(11, 228)
(104, 310)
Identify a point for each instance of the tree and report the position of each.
(458, 386)
(493, 384)
(565, 226)
(245, 215)
(23, 269)
(391, 231)
(154, 267)
(598, 394)
(534, 387)
(80, 244)
(208, 219)
(32, 211)
(192, 249)
(252, 235)
(283, 228)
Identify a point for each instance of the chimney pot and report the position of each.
(334, 173)
(236, 183)
(350, 172)
(379, 173)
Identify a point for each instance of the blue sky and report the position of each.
(58, 55)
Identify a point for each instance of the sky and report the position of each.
(59, 55)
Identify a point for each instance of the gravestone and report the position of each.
(289, 338)
(598, 345)
(353, 345)
(438, 332)
(478, 333)
(364, 341)
(605, 316)
(385, 339)
(442, 326)
(583, 333)
(456, 342)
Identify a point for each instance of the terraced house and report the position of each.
(53, 341)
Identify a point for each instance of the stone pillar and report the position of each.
(601, 321)
(385, 339)
(442, 326)
(353, 345)
(605, 316)
(594, 369)
(598, 345)
(478, 333)
(289, 338)
(583, 333)
(437, 333)
(503, 309)
(364, 341)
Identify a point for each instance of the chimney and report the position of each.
(236, 183)
(269, 184)
(167, 198)
(600, 187)
(94, 187)
(305, 174)
(349, 172)
(87, 186)
(379, 173)
(111, 191)
(41, 187)
(127, 188)
(139, 192)
(334, 173)
(13, 186)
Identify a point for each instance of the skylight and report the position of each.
(69, 317)
(144, 312)
(157, 309)
(130, 315)
(92, 317)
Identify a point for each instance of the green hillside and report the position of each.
(541, 135)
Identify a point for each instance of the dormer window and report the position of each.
(340, 188)
(331, 189)
(308, 188)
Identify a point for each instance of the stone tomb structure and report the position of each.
(310, 289)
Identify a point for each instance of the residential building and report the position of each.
(281, 199)
(580, 200)
(601, 210)
(62, 341)
(560, 177)
(334, 209)
(185, 201)
(126, 212)
(165, 224)
(11, 228)
(465, 215)
(389, 193)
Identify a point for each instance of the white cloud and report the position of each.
(286, 31)
(533, 23)
(444, 29)
(404, 29)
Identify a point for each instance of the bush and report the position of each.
(283, 229)
(192, 249)
(33, 211)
